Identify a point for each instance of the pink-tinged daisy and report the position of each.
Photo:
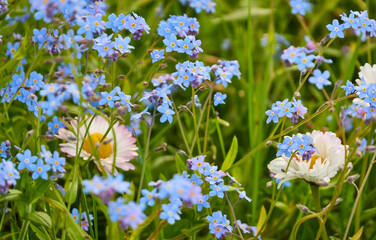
(124, 151)
(323, 164)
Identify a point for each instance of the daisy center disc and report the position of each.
(92, 142)
(313, 161)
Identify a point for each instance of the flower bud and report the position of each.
(302, 208)
(121, 76)
(352, 178)
(269, 184)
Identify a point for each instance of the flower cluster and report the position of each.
(75, 12)
(184, 27)
(134, 24)
(84, 219)
(317, 158)
(8, 175)
(292, 110)
(364, 106)
(301, 144)
(207, 5)
(300, 7)
(219, 225)
(302, 57)
(41, 166)
(358, 21)
(225, 70)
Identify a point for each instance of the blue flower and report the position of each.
(218, 98)
(272, 115)
(26, 160)
(122, 44)
(57, 163)
(108, 98)
(166, 113)
(170, 213)
(157, 55)
(171, 43)
(300, 7)
(4, 146)
(116, 209)
(304, 62)
(320, 79)
(242, 195)
(55, 125)
(349, 88)
(336, 29)
(218, 190)
(148, 197)
(133, 215)
(40, 170)
(75, 215)
(203, 202)
(12, 49)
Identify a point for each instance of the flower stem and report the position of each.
(358, 196)
(145, 157)
(233, 215)
(316, 200)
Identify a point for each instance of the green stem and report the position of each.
(25, 224)
(358, 196)
(145, 157)
(316, 200)
(195, 122)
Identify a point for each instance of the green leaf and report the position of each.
(231, 155)
(72, 185)
(358, 234)
(39, 233)
(40, 218)
(74, 230)
(180, 165)
(188, 232)
(12, 195)
(40, 188)
(262, 218)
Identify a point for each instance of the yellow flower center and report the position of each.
(93, 142)
(313, 161)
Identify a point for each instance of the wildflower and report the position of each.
(219, 98)
(327, 156)
(217, 190)
(300, 7)
(198, 163)
(55, 125)
(57, 163)
(320, 79)
(203, 202)
(170, 213)
(242, 195)
(116, 209)
(272, 115)
(157, 55)
(133, 216)
(109, 98)
(122, 44)
(336, 29)
(40, 170)
(93, 146)
(166, 113)
(244, 227)
(148, 197)
(26, 160)
(12, 49)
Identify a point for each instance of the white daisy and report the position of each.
(323, 164)
(367, 75)
(124, 151)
